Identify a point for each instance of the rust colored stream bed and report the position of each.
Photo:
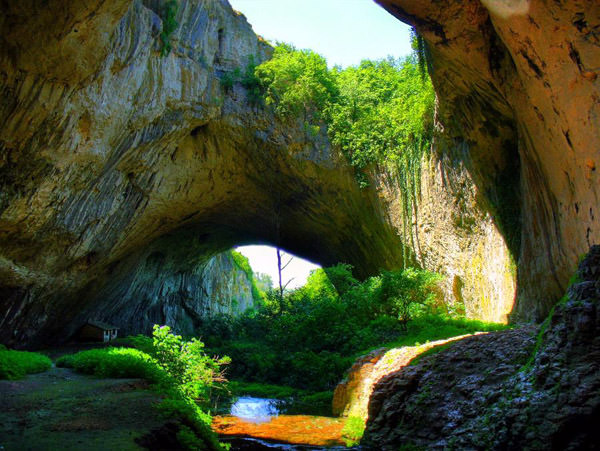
(295, 429)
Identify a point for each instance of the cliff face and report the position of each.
(165, 290)
(518, 90)
(111, 152)
(453, 234)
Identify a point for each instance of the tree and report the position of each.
(264, 282)
(280, 268)
(297, 82)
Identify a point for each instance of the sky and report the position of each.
(345, 32)
(264, 259)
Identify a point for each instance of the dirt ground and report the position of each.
(63, 410)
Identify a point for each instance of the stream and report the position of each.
(261, 423)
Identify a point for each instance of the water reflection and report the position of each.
(256, 410)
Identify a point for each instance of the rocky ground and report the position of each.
(515, 389)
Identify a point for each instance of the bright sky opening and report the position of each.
(264, 259)
(344, 31)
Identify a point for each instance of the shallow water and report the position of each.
(256, 410)
(257, 423)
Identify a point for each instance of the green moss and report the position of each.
(169, 12)
(242, 263)
(17, 364)
(353, 430)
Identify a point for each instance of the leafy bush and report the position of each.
(186, 362)
(297, 83)
(309, 338)
(115, 362)
(179, 369)
(16, 364)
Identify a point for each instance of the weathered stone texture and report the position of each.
(505, 390)
(122, 150)
(518, 81)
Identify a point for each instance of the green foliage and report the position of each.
(309, 338)
(297, 83)
(195, 432)
(16, 364)
(247, 79)
(115, 362)
(242, 263)
(264, 282)
(377, 113)
(353, 430)
(169, 12)
(179, 369)
(185, 361)
(419, 47)
(407, 293)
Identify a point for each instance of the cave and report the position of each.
(128, 167)
(90, 192)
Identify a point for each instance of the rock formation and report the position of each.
(110, 150)
(351, 396)
(519, 104)
(503, 390)
(179, 294)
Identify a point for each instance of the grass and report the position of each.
(115, 362)
(17, 364)
(437, 327)
(353, 430)
(195, 431)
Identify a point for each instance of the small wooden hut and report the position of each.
(97, 331)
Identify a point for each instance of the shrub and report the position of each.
(115, 362)
(169, 25)
(179, 369)
(185, 361)
(16, 364)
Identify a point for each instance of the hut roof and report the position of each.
(101, 325)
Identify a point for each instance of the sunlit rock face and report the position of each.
(113, 155)
(451, 233)
(526, 388)
(518, 90)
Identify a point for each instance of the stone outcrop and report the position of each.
(111, 151)
(505, 390)
(518, 88)
(179, 294)
(351, 396)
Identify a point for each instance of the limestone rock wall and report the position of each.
(503, 390)
(111, 151)
(165, 290)
(518, 81)
(453, 234)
